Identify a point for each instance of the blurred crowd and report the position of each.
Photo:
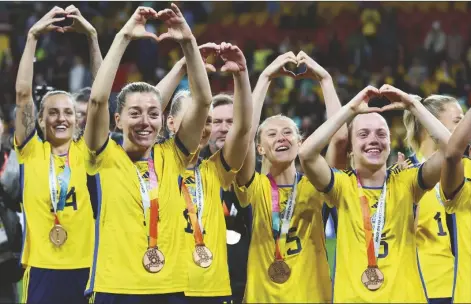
(419, 47)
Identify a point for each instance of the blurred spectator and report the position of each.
(454, 45)
(435, 43)
(370, 18)
(77, 75)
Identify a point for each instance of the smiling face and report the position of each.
(140, 119)
(279, 140)
(371, 143)
(58, 118)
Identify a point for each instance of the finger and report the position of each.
(400, 157)
(55, 10)
(163, 37)
(176, 9)
(210, 68)
(224, 68)
(54, 20)
(372, 110)
(56, 28)
(68, 29)
(152, 36)
(286, 72)
(73, 11)
(289, 60)
(392, 107)
(301, 61)
(75, 17)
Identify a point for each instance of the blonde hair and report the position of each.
(268, 119)
(77, 130)
(435, 104)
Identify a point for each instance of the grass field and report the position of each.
(330, 244)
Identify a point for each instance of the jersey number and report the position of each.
(385, 246)
(290, 237)
(70, 199)
(438, 218)
(188, 228)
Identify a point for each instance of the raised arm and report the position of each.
(275, 69)
(438, 132)
(452, 175)
(81, 25)
(237, 141)
(336, 152)
(195, 117)
(314, 164)
(98, 119)
(25, 113)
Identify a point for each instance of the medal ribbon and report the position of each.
(195, 214)
(372, 237)
(58, 199)
(281, 229)
(150, 200)
(437, 193)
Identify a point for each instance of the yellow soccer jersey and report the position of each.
(305, 251)
(397, 256)
(214, 280)
(434, 247)
(460, 209)
(76, 217)
(121, 233)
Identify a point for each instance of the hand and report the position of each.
(399, 99)
(45, 24)
(359, 103)
(178, 29)
(80, 24)
(401, 161)
(234, 60)
(313, 69)
(135, 27)
(277, 67)
(207, 50)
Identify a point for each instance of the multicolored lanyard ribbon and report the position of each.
(281, 228)
(58, 199)
(372, 234)
(150, 200)
(195, 214)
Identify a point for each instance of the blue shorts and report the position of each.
(170, 298)
(54, 285)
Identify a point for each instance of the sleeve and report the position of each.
(224, 172)
(333, 192)
(460, 199)
(412, 176)
(173, 150)
(246, 194)
(95, 160)
(31, 146)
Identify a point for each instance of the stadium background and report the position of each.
(420, 47)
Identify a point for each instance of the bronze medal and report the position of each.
(372, 278)
(279, 271)
(202, 256)
(58, 235)
(153, 260)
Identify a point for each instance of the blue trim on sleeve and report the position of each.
(455, 246)
(27, 139)
(181, 146)
(420, 178)
(331, 183)
(424, 287)
(22, 188)
(223, 161)
(98, 199)
(250, 181)
(103, 147)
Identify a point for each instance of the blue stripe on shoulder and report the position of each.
(22, 189)
(98, 200)
(27, 139)
(181, 146)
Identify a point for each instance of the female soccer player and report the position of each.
(287, 255)
(141, 255)
(433, 238)
(456, 195)
(58, 240)
(379, 251)
(202, 183)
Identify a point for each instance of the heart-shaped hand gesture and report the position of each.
(399, 99)
(313, 69)
(234, 59)
(135, 27)
(359, 103)
(45, 24)
(178, 29)
(401, 161)
(277, 67)
(207, 50)
(80, 24)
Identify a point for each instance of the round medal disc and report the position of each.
(58, 235)
(279, 272)
(232, 237)
(202, 256)
(372, 278)
(153, 260)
